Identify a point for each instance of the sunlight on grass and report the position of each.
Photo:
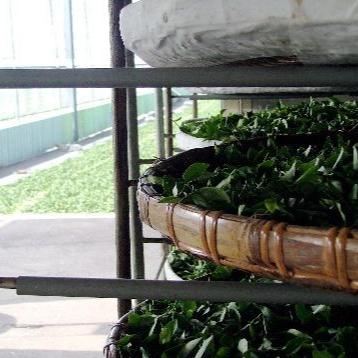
(83, 184)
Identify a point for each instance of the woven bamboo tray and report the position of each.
(316, 256)
(110, 349)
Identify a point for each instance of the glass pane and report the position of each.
(7, 104)
(6, 50)
(91, 33)
(38, 32)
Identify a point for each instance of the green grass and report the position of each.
(147, 131)
(83, 184)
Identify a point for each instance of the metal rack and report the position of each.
(129, 240)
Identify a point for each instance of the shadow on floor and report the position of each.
(6, 323)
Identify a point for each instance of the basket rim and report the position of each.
(309, 255)
(110, 348)
(146, 188)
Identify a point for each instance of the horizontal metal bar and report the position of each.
(8, 282)
(272, 95)
(166, 135)
(228, 76)
(133, 182)
(179, 290)
(156, 240)
(146, 161)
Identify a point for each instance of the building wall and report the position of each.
(24, 140)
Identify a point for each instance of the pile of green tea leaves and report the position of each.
(312, 185)
(189, 267)
(202, 329)
(308, 117)
(227, 330)
(194, 329)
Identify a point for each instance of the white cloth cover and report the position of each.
(187, 142)
(172, 33)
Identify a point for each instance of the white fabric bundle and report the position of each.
(173, 33)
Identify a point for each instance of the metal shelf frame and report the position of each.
(174, 290)
(266, 95)
(123, 78)
(221, 76)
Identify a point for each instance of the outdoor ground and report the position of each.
(36, 240)
(59, 245)
(83, 183)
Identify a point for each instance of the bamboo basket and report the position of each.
(110, 349)
(316, 256)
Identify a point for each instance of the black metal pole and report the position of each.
(120, 147)
(240, 76)
(159, 118)
(136, 236)
(169, 122)
(76, 133)
(195, 107)
(216, 291)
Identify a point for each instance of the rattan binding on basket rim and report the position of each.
(324, 257)
(110, 348)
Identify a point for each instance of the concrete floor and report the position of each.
(61, 245)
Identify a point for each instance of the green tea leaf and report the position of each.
(144, 353)
(170, 200)
(189, 308)
(295, 345)
(290, 173)
(123, 341)
(303, 313)
(271, 205)
(309, 175)
(266, 345)
(194, 171)
(134, 319)
(298, 333)
(355, 192)
(341, 212)
(209, 197)
(340, 156)
(168, 331)
(223, 352)
(189, 348)
(154, 326)
(266, 164)
(204, 347)
(322, 354)
(243, 345)
(240, 209)
(322, 310)
(225, 182)
(221, 273)
(355, 158)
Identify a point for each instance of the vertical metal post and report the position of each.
(159, 117)
(13, 55)
(169, 121)
(120, 137)
(136, 233)
(73, 65)
(195, 107)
